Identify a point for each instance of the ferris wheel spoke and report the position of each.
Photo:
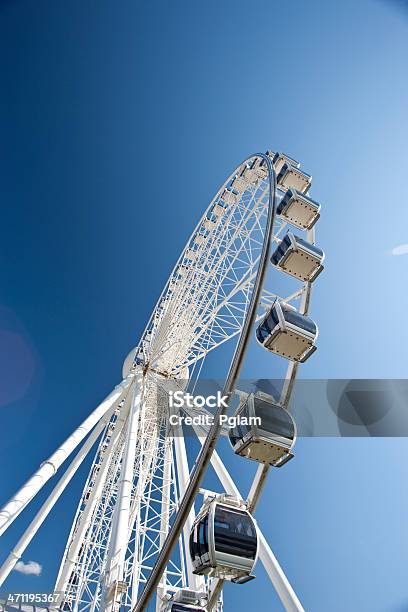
(249, 276)
(232, 260)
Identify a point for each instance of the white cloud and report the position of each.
(402, 249)
(32, 567)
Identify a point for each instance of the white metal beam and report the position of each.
(119, 538)
(79, 529)
(47, 469)
(50, 502)
(195, 582)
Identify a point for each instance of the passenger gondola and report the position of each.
(260, 168)
(291, 177)
(229, 196)
(183, 270)
(200, 237)
(280, 159)
(210, 224)
(224, 540)
(288, 333)
(249, 174)
(239, 184)
(298, 258)
(265, 431)
(191, 254)
(185, 600)
(298, 209)
(219, 209)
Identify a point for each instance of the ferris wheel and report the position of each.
(146, 531)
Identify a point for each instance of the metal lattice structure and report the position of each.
(139, 495)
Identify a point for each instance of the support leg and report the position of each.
(48, 505)
(113, 587)
(47, 469)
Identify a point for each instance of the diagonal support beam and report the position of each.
(111, 596)
(50, 502)
(19, 501)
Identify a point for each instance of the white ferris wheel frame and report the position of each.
(122, 420)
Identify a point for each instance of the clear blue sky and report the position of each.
(118, 121)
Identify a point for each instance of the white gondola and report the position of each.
(219, 209)
(210, 224)
(185, 600)
(298, 258)
(286, 332)
(183, 270)
(224, 540)
(290, 177)
(298, 209)
(229, 197)
(265, 431)
(239, 184)
(249, 174)
(191, 255)
(200, 237)
(280, 159)
(260, 168)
